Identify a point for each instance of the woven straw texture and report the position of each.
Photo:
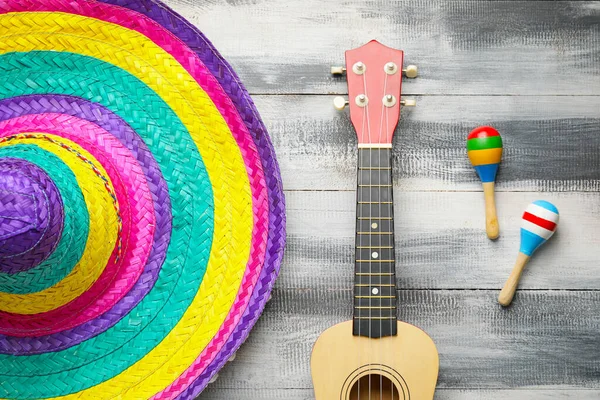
(142, 219)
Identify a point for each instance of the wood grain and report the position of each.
(550, 143)
(461, 47)
(531, 69)
(546, 339)
(441, 241)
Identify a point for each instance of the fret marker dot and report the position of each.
(375, 290)
(374, 225)
(375, 254)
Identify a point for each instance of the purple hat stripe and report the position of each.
(31, 215)
(231, 84)
(106, 119)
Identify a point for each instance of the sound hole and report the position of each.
(375, 387)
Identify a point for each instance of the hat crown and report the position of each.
(26, 233)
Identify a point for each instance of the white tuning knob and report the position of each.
(411, 71)
(408, 103)
(340, 103)
(337, 70)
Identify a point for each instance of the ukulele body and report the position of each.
(405, 366)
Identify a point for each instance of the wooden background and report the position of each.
(529, 68)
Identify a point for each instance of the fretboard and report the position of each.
(375, 303)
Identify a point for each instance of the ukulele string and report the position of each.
(383, 110)
(392, 255)
(370, 223)
(357, 253)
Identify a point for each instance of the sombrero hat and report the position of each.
(141, 211)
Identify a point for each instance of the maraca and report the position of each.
(539, 223)
(484, 148)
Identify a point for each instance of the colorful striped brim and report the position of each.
(142, 219)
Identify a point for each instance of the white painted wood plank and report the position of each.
(542, 58)
(467, 47)
(547, 340)
(441, 241)
(550, 143)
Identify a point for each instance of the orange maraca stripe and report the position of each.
(483, 157)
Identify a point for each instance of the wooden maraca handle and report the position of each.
(508, 291)
(491, 219)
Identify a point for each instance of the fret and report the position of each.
(368, 290)
(375, 313)
(375, 210)
(373, 273)
(368, 266)
(374, 186)
(374, 158)
(375, 329)
(371, 252)
(374, 195)
(375, 177)
(386, 292)
(375, 302)
(376, 308)
(372, 285)
(387, 256)
(375, 279)
(375, 240)
(366, 225)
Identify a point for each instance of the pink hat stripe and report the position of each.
(98, 299)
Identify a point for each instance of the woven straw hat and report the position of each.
(141, 211)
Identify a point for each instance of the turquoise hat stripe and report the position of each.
(111, 352)
(75, 231)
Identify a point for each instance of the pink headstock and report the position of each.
(374, 74)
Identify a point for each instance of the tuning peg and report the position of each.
(408, 103)
(338, 70)
(339, 103)
(411, 71)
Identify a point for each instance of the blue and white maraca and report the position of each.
(539, 223)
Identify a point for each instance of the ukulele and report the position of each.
(374, 356)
